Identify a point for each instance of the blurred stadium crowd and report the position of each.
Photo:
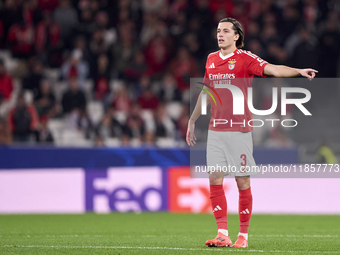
(116, 73)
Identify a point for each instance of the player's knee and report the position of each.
(243, 183)
(215, 180)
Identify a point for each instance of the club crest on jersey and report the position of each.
(231, 64)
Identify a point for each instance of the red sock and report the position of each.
(219, 205)
(245, 206)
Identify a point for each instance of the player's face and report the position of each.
(226, 36)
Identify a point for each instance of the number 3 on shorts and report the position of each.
(244, 158)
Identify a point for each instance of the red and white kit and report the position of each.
(229, 147)
(230, 144)
(238, 69)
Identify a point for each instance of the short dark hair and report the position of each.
(237, 27)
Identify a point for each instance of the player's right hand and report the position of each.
(191, 138)
(308, 72)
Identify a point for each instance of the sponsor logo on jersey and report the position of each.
(231, 64)
(221, 76)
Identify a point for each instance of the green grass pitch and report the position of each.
(164, 233)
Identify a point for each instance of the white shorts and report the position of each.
(230, 152)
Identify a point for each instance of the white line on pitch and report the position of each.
(260, 236)
(164, 248)
(294, 235)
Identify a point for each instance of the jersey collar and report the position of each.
(227, 56)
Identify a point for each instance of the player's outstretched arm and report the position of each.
(285, 71)
(190, 137)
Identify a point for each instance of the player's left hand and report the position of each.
(308, 72)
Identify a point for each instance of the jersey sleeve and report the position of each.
(256, 65)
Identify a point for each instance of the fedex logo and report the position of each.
(125, 189)
(188, 194)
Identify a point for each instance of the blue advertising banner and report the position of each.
(99, 158)
(91, 157)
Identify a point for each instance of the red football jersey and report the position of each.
(235, 69)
